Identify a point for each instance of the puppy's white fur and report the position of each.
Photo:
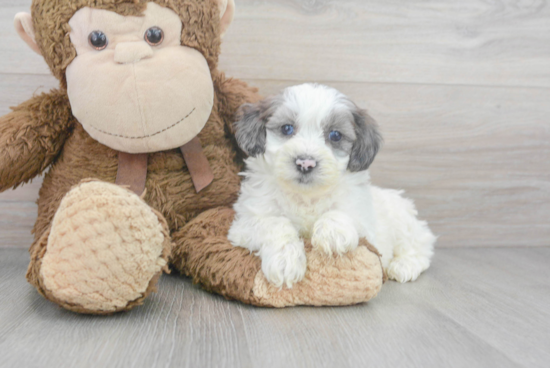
(335, 207)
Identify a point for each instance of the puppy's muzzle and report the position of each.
(305, 165)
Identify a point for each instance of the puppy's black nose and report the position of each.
(305, 164)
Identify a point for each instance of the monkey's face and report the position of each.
(132, 85)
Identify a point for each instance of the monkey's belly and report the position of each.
(169, 186)
(170, 189)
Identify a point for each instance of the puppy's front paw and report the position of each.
(335, 233)
(284, 265)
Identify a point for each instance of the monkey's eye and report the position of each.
(154, 36)
(287, 129)
(98, 40)
(335, 136)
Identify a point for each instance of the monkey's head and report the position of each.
(137, 72)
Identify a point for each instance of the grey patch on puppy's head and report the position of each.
(368, 140)
(250, 127)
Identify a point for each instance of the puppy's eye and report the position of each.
(98, 40)
(335, 136)
(154, 36)
(287, 129)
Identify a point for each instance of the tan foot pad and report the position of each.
(353, 278)
(105, 251)
(204, 253)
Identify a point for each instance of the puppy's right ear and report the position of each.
(250, 129)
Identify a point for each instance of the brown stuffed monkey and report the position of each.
(143, 168)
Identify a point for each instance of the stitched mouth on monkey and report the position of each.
(142, 97)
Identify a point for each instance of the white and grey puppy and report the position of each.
(306, 177)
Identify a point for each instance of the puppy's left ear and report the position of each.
(368, 141)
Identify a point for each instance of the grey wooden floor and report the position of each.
(461, 90)
(473, 308)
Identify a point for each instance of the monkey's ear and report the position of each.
(25, 30)
(227, 11)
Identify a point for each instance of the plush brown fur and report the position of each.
(169, 188)
(32, 136)
(219, 267)
(42, 133)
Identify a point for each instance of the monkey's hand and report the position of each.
(31, 137)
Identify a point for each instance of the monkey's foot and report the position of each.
(203, 252)
(105, 251)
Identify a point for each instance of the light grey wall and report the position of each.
(461, 90)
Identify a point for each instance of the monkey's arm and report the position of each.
(232, 93)
(31, 137)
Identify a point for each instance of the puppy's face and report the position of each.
(310, 135)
